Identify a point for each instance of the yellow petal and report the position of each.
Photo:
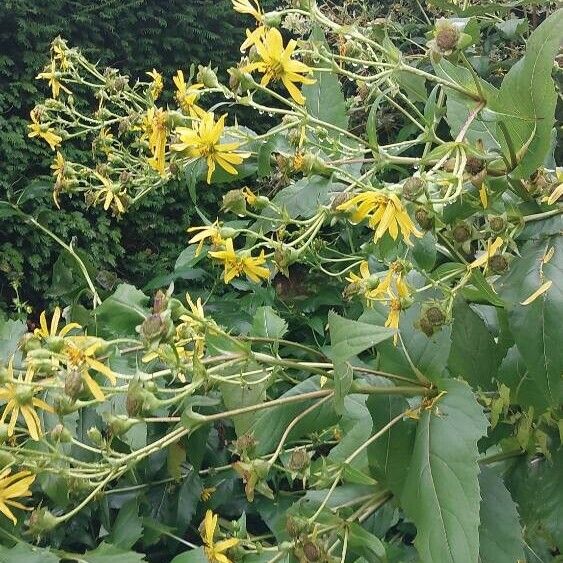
(540, 291)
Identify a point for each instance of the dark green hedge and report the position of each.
(133, 35)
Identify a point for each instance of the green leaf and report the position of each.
(537, 487)
(441, 492)
(500, 533)
(365, 543)
(121, 312)
(389, 456)
(25, 553)
(424, 251)
(527, 97)
(10, 333)
(272, 423)
(188, 499)
(127, 528)
(420, 355)
(343, 378)
(535, 327)
(106, 553)
(324, 98)
(482, 291)
(473, 355)
(192, 556)
(268, 324)
(348, 338)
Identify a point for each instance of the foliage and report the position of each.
(366, 365)
(172, 33)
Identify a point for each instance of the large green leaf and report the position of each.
(25, 553)
(389, 456)
(441, 492)
(536, 326)
(127, 528)
(324, 98)
(348, 338)
(268, 324)
(537, 487)
(10, 333)
(500, 533)
(527, 97)
(106, 553)
(122, 311)
(473, 355)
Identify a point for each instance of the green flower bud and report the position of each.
(446, 35)
(63, 405)
(206, 75)
(119, 425)
(497, 224)
(272, 19)
(24, 394)
(6, 458)
(95, 436)
(54, 343)
(41, 521)
(61, 434)
(235, 202)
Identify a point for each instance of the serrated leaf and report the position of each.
(191, 556)
(348, 338)
(441, 492)
(25, 553)
(106, 553)
(10, 333)
(500, 533)
(527, 97)
(268, 324)
(324, 98)
(535, 327)
(127, 528)
(473, 354)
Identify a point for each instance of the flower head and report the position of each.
(79, 355)
(491, 250)
(111, 193)
(237, 264)
(19, 396)
(214, 551)
(44, 331)
(202, 141)
(392, 321)
(157, 84)
(52, 75)
(276, 63)
(12, 487)
(155, 130)
(251, 7)
(187, 95)
(43, 131)
(384, 213)
(211, 232)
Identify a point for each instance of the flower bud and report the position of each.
(6, 458)
(413, 187)
(73, 384)
(312, 551)
(235, 202)
(435, 315)
(461, 232)
(424, 219)
(41, 521)
(299, 459)
(474, 165)
(272, 19)
(160, 302)
(63, 405)
(497, 223)
(153, 328)
(95, 436)
(446, 36)
(54, 343)
(61, 434)
(29, 342)
(119, 425)
(206, 75)
(498, 264)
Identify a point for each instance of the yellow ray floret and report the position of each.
(215, 551)
(203, 141)
(237, 264)
(13, 487)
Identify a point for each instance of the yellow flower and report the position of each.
(253, 37)
(53, 77)
(12, 487)
(187, 95)
(277, 64)
(202, 141)
(209, 231)
(215, 551)
(384, 213)
(60, 56)
(393, 317)
(207, 493)
(154, 126)
(251, 7)
(491, 250)
(110, 193)
(250, 197)
(58, 167)
(43, 131)
(235, 264)
(18, 394)
(365, 274)
(45, 331)
(157, 84)
(79, 355)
